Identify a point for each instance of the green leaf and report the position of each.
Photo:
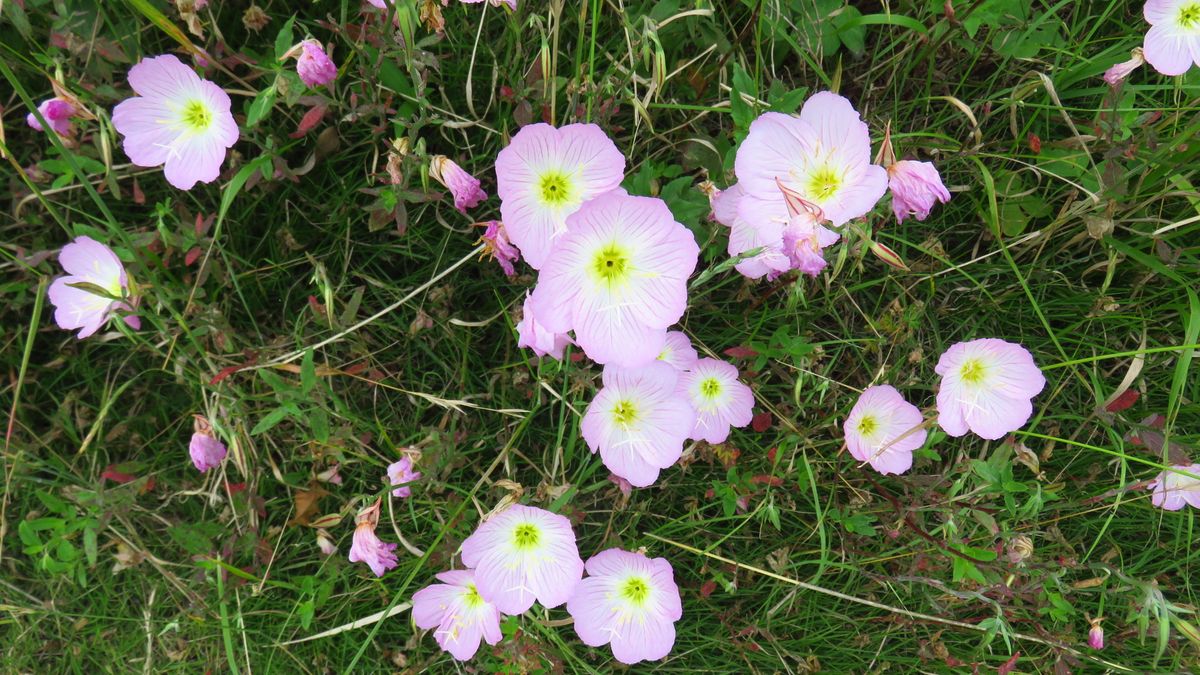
(267, 423)
(260, 106)
(743, 112)
(308, 373)
(318, 421)
(90, 547)
(283, 39)
(54, 503)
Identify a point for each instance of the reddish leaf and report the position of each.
(761, 422)
(310, 120)
(235, 488)
(771, 454)
(740, 352)
(225, 372)
(1035, 143)
(1123, 402)
(707, 588)
(192, 255)
(763, 479)
(116, 476)
(1009, 665)
(139, 197)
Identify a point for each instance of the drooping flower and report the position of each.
(618, 278)
(678, 351)
(458, 614)
(368, 548)
(96, 287)
(463, 186)
(916, 187)
(629, 602)
(987, 386)
(532, 334)
(638, 422)
(206, 451)
(883, 430)
(313, 64)
(1172, 44)
(744, 236)
(805, 241)
(499, 247)
(58, 113)
(544, 174)
(325, 543)
(524, 554)
(401, 472)
(1096, 635)
(1172, 489)
(824, 155)
(720, 400)
(177, 120)
(1117, 74)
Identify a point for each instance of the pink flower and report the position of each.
(87, 261)
(721, 401)
(883, 430)
(824, 156)
(401, 472)
(618, 278)
(1117, 74)
(58, 113)
(804, 243)
(368, 548)
(1172, 489)
(533, 335)
(458, 612)
(544, 174)
(177, 120)
(325, 544)
(629, 602)
(916, 187)
(521, 554)
(500, 248)
(678, 351)
(987, 386)
(1096, 635)
(638, 422)
(206, 451)
(462, 185)
(744, 236)
(1172, 44)
(313, 65)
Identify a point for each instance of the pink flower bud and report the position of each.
(916, 187)
(314, 66)
(462, 185)
(1096, 635)
(1117, 74)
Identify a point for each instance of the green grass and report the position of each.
(1084, 250)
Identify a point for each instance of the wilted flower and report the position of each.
(255, 19)
(368, 548)
(500, 248)
(805, 241)
(1096, 635)
(916, 187)
(534, 335)
(1172, 44)
(638, 422)
(744, 236)
(883, 430)
(987, 386)
(1173, 489)
(544, 174)
(177, 120)
(58, 113)
(95, 288)
(401, 472)
(463, 186)
(629, 602)
(618, 278)
(521, 554)
(325, 543)
(206, 451)
(313, 65)
(678, 351)
(721, 401)
(1117, 74)
(458, 612)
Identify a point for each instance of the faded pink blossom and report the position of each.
(623, 485)
(524, 554)
(500, 248)
(92, 270)
(629, 602)
(368, 548)
(1176, 487)
(1117, 74)
(678, 351)
(177, 120)
(719, 398)
(459, 615)
(462, 186)
(401, 472)
(206, 451)
(58, 113)
(532, 334)
(1096, 635)
(987, 386)
(1172, 44)
(805, 241)
(883, 430)
(916, 187)
(745, 236)
(313, 65)
(325, 543)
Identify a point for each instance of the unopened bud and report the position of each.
(888, 256)
(1096, 635)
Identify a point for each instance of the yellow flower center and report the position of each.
(823, 184)
(867, 425)
(526, 536)
(635, 590)
(624, 413)
(972, 371)
(1189, 15)
(710, 387)
(555, 189)
(196, 115)
(471, 597)
(611, 265)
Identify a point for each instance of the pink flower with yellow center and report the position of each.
(987, 387)
(720, 400)
(1172, 45)
(1176, 487)
(457, 613)
(678, 351)
(883, 430)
